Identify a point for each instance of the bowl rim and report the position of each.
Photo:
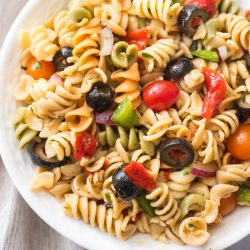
(28, 7)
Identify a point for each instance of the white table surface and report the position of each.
(20, 227)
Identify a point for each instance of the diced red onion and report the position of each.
(104, 118)
(223, 53)
(204, 170)
(106, 41)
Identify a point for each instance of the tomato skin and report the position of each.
(208, 5)
(41, 69)
(138, 37)
(228, 205)
(238, 144)
(160, 95)
(85, 145)
(216, 86)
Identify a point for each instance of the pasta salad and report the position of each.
(136, 114)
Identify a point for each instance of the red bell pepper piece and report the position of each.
(137, 37)
(85, 145)
(207, 5)
(216, 86)
(140, 176)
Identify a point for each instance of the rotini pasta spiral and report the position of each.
(233, 71)
(192, 81)
(135, 22)
(233, 173)
(238, 27)
(130, 141)
(180, 182)
(114, 15)
(64, 33)
(223, 124)
(45, 179)
(79, 13)
(27, 125)
(229, 6)
(193, 231)
(165, 205)
(90, 187)
(114, 161)
(85, 50)
(156, 228)
(28, 89)
(165, 10)
(59, 145)
(42, 46)
(57, 103)
(80, 119)
(217, 192)
(159, 54)
(92, 76)
(98, 215)
(129, 86)
(118, 205)
(163, 123)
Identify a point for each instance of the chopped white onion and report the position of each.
(223, 53)
(106, 41)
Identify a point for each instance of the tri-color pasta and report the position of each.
(132, 113)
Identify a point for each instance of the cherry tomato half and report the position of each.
(238, 144)
(41, 69)
(228, 205)
(160, 95)
(85, 145)
(208, 5)
(138, 37)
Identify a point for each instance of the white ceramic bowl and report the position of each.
(21, 169)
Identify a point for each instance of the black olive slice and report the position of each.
(194, 46)
(100, 97)
(243, 108)
(60, 58)
(125, 188)
(177, 69)
(186, 18)
(176, 152)
(39, 158)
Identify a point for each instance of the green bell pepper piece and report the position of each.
(145, 205)
(207, 54)
(243, 194)
(124, 115)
